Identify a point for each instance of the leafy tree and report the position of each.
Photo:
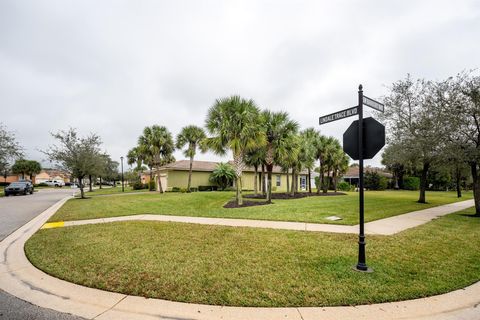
(223, 175)
(191, 136)
(75, 154)
(415, 123)
(20, 167)
(155, 147)
(235, 125)
(463, 110)
(340, 162)
(9, 148)
(394, 160)
(279, 132)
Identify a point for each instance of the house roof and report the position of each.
(208, 166)
(352, 172)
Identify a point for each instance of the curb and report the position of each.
(21, 279)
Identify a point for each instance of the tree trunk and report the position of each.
(159, 183)
(255, 181)
(327, 182)
(80, 184)
(476, 187)
(423, 182)
(90, 183)
(457, 182)
(31, 177)
(150, 182)
(100, 182)
(190, 174)
(238, 167)
(335, 180)
(264, 188)
(288, 181)
(309, 181)
(293, 181)
(239, 191)
(269, 183)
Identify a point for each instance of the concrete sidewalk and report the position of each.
(20, 278)
(387, 226)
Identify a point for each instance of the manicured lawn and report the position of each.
(110, 190)
(378, 204)
(261, 267)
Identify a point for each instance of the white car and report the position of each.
(55, 183)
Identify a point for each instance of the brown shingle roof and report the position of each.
(352, 172)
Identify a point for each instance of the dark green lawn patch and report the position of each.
(260, 267)
(378, 205)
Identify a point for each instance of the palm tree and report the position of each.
(191, 136)
(340, 165)
(279, 130)
(235, 126)
(309, 138)
(156, 145)
(223, 175)
(289, 159)
(256, 158)
(138, 157)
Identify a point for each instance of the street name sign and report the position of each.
(339, 115)
(373, 104)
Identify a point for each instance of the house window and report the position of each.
(303, 182)
(279, 180)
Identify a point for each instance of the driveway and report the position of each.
(15, 211)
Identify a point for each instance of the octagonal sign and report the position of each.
(373, 138)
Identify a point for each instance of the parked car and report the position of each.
(20, 187)
(55, 183)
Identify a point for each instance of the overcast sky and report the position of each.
(114, 67)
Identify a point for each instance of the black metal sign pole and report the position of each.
(361, 265)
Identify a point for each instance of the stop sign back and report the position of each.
(373, 138)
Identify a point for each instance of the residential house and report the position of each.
(176, 175)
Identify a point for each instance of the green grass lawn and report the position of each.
(2, 193)
(378, 204)
(110, 190)
(261, 267)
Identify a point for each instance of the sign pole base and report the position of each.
(367, 270)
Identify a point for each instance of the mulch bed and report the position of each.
(233, 204)
(298, 195)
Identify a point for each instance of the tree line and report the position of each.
(256, 138)
(434, 126)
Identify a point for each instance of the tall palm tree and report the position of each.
(234, 124)
(191, 136)
(340, 165)
(140, 158)
(279, 130)
(309, 138)
(289, 159)
(256, 158)
(157, 145)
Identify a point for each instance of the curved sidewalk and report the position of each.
(20, 278)
(387, 226)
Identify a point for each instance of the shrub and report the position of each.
(175, 189)
(374, 181)
(137, 185)
(317, 183)
(223, 175)
(151, 185)
(43, 184)
(411, 183)
(345, 186)
(207, 188)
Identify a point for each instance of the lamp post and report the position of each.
(123, 187)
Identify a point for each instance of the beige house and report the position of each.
(176, 175)
(52, 174)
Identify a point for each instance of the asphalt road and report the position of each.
(15, 211)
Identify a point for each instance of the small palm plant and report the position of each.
(223, 175)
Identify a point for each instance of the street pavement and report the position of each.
(15, 211)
